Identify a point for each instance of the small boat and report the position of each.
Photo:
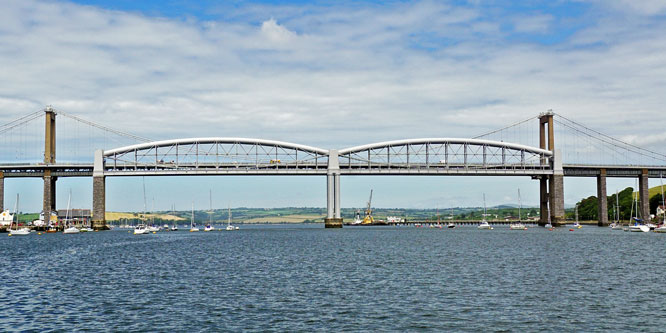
(18, 231)
(165, 227)
(193, 227)
(450, 225)
(518, 225)
(484, 225)
(141, 229)
(174, 227)
(616, 225)
(660, 229)
(229, 226)
(153, 228)
(639, 228)
(209, 227)
(638, 223)
(71, 229)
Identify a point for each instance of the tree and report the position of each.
(654, 202)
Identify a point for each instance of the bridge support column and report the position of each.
(643, 196)
(99, 193)
(333, 219)
(99, 203)
(602, 212)
(556, 191)
(2, 191)
(49, 198)
(543, 194)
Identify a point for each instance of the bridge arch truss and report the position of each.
(215, 155)
(445, 156)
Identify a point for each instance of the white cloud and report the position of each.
(276, 33)
(334, 78)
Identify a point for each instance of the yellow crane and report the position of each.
(368, 212)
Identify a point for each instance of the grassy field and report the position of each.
(116, 216)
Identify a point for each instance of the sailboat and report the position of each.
(662, 227)
(209, 226)
(174, 227)
(18, 231)
(484, 225)
(638, 223)
(141, 228)
(229, 226)
(193, 227)
(518, 225)
(71, 229)
(577, 224)
(548, 225)
(616, 225)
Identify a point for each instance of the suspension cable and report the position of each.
(611, 138)
(104, 128)
(503, 128)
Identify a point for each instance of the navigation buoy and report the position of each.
(570, 229)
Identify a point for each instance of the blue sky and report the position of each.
(330, 74)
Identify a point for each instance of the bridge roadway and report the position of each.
(17, 170)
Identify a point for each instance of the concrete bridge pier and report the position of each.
(333, 219)
(543, 201)
(49, 198)
(643, 196)
(99, 193)
(602, 210)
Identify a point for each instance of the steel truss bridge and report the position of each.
(246, 156)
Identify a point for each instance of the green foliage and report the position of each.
(654, 202)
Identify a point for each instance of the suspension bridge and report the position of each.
(508, 151)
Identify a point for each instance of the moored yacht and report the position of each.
(141, 229)
(518, 225)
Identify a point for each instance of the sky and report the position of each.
(331, 74)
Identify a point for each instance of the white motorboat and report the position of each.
(71, 230)
(174, 227)
(517, 226)
(141, 229)
(153, 228)
(209, 227)
(450, 225)
(484, 225)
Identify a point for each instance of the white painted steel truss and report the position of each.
(256, 156)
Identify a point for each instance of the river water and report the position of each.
(307, 278)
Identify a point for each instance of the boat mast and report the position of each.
(143, 179)
(484, 207)
(520, 206)
(210, 211)
(663, 202)
(617, 207)
(192, 218)
(229, 216)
